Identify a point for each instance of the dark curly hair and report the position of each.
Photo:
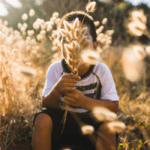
(82, 16)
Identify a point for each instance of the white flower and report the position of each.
(24, 17)
(31, 13)
(36, 25)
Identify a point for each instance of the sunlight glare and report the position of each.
(3, 10)
(14, 3)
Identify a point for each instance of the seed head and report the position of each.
(67, 25)
(49, 28)
(73, 44)
(19, 25)
(77, 63)
(76, 23)
(136, 28)
(86, 44)
(62, 31)
(5, 23)
(24, 17)
(68, 36)
(139, 52)
(77, 48)
(31, 12)
(57, 20)
(148, 50)
(54, 48)
(96, 23)
(68, 48)
(103, 114)
(36, 25)
(138, 15)
(100, 29)
(116, 126)
(83, 40)
(104, 21)
(90, 7)
(43, 32)
(55, 14)
(84, 30)
(39, 37)
(28, 71)
(89, 56)
(87, 129)
(76, 33)
(70, 62)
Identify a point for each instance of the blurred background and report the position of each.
(28, 46)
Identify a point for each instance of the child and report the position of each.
(93, 86)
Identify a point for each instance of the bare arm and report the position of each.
(65, 84)
(91, 103)
(77, 99)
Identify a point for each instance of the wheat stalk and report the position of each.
(76, 42)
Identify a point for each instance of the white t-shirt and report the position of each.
(96, 83)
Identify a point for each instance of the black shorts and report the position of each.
(71, 125)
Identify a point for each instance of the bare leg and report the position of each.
(106, 139)
(41, 135)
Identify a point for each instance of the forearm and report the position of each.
(52, 99)
(91, 103)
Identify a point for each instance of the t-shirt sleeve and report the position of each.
(51, 79)
(108, 90)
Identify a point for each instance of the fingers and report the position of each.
(68, 89)
(71, 76)
(69, 100)
(69, 84)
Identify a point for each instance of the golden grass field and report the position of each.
(24, 59)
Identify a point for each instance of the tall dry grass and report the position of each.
(22, 75)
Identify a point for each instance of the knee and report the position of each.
(43, 120)
(103, 127)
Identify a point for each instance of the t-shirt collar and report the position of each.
(65, 69)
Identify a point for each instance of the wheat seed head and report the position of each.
(116, 126)
(90, 7)
(76, 32)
